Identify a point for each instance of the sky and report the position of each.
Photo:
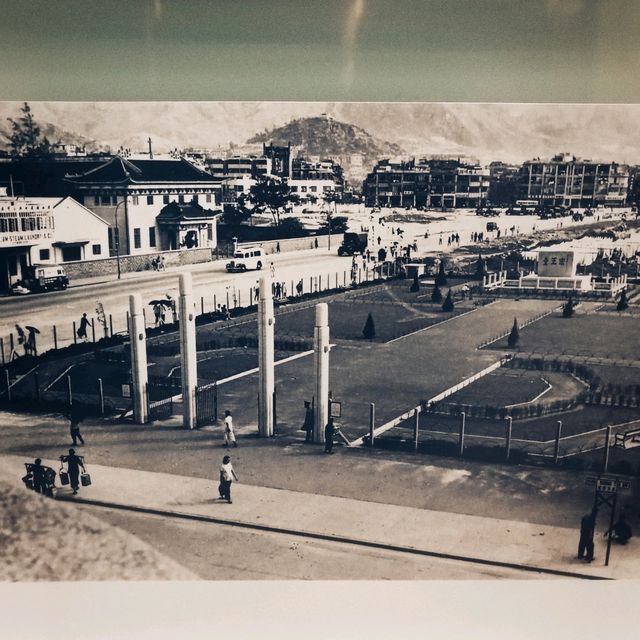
(336, 50)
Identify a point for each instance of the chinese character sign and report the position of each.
(556, 264)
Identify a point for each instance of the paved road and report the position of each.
(224, 552)
(211, 279)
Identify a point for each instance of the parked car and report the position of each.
(492, 226)
(353, 243)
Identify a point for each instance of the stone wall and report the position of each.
(297, 244)
(141, 262)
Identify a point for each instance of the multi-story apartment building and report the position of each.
(503, 182)
(238, 166)
(566, 180)
(426, 183)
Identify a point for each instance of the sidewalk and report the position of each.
(462, 537)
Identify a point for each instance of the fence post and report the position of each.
(336, 279)
(2, 350)
(215, 302)
(93, 330)
(110, 326)
(463, 418)
(69, 392)
(605, 465)
(55, 338)
(310, 284)
(8, 383)
(36, 384)
(508, 437)
(75, 335)
(11, 345)
(101, 396)
(201, 305)
(344, 278)
(372, 420)
(416, 429)
(556, 451)
(227, 298)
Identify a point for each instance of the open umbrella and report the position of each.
(165, 303)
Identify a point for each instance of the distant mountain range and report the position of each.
(508, 132)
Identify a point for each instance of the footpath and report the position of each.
(521, 545)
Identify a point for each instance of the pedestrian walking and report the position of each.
(299, 287)
(74, 464)
(227, 476)
(75, 418)
(277, 247)
(329, 431)
(272, 270)
(229, 436)
(307, 426)
(82, 328)
(587, 531)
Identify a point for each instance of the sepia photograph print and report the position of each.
(306, 332)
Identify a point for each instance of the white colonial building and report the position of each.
(130, 194)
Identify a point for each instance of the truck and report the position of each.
(353, 243)
(38, 278)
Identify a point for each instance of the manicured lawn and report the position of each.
(615, 337)
(502, 388)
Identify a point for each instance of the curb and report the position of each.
(331, 538)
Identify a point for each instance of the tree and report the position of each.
(26, 139)
(623, 303)
(568, 308)
(447, 305)
(369, 331)
(272, 195)
(337, 225)
(514, 336)
(441, 278)
(235, 216)
(436, 295)
(481, 267)
(291, 228)
(415, 285)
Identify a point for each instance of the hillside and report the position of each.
(325, 137)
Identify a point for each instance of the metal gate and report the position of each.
(206, 404)
(159, 400)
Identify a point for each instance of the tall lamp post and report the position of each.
(117, 237)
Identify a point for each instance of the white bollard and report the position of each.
(266, 374)
(321, 355)
(188, 351)
(138, 340)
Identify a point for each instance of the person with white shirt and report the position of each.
(229, 436)
(227, 476)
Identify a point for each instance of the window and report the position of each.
(134, 200)
(209, 232)
(110, 232)
(96, 249)
(313, 189)
(105, 199)
(71, 254)
(181, 198)
(195, 198)
(136, 238)
(152, 236)
(45, 254)
(294, 189)
(303, 189)
(165, 199)
(208, 197)
(149, 199)
(96, 201)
